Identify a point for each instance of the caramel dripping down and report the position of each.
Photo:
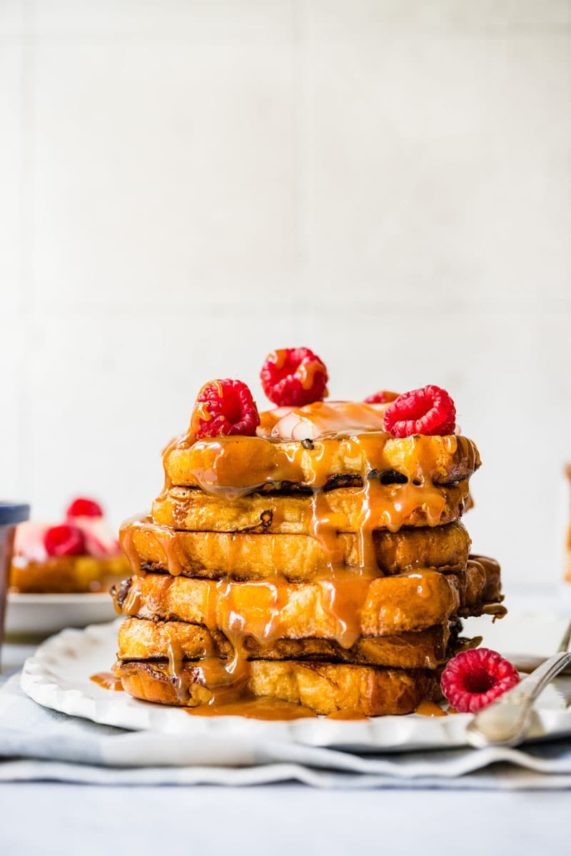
(344, 597)
(259, 609)
(233, 466)
(166, 538)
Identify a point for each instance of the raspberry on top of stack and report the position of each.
(305, 560)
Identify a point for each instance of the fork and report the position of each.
(506, 721)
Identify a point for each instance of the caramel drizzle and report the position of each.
(107, 681)
(254, 708)
(233, 466)
(164, 536)
(343, 596)
(346, 605)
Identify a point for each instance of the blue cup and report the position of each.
(11, 513)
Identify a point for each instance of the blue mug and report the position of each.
(11, 513)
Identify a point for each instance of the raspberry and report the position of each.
(224, 407)
(83, 507)
(383, 396)
(292, 377)
(474, 679)
(429, 410)
(64, 540)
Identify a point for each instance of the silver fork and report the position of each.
(506, 721)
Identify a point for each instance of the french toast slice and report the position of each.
(341, 606)
(393, 507)
(254, 463)
(143, 639)
(325, 688)
(252, 556)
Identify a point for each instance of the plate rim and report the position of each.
(59, 598)
(41, 681)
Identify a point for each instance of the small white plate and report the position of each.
(58, 677)
(42, 614)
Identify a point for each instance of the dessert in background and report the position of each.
(80, 554)
(306, 560)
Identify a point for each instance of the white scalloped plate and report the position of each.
(40, 615)
(58, 677)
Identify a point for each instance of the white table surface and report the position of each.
(46, 818)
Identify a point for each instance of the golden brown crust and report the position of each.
(277, 609)
(250, 556)
(322, 687)
(395, 506)
(142, 639)
(67, 575)
(253, 462)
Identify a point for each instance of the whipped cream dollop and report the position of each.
(322, 419)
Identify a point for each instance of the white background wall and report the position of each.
(186, 185)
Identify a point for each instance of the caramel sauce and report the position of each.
(108, 681)
(306, 373)
(236, 465)
(254, 708)
(429, 708)
(346, 440)
(266, 610)
(227, 681)
(323, 419)
(347, 715)
(165, 537)
(268, 709)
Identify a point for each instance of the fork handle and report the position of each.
(506, 721)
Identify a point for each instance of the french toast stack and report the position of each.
(329, 571)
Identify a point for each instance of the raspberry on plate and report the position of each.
(224, 407)
(64, 540)
(429, 410)
(474, 679)
(383, 396)
(292, 377)
(83, 507)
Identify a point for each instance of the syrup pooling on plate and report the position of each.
(107, 681)
(430, 708)
(255, 708)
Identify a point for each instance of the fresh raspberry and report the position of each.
(292, 377)
(429, 410)
(474, 679)
(64, 540)
(83, 507)
(383, 396)
(224, 407)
